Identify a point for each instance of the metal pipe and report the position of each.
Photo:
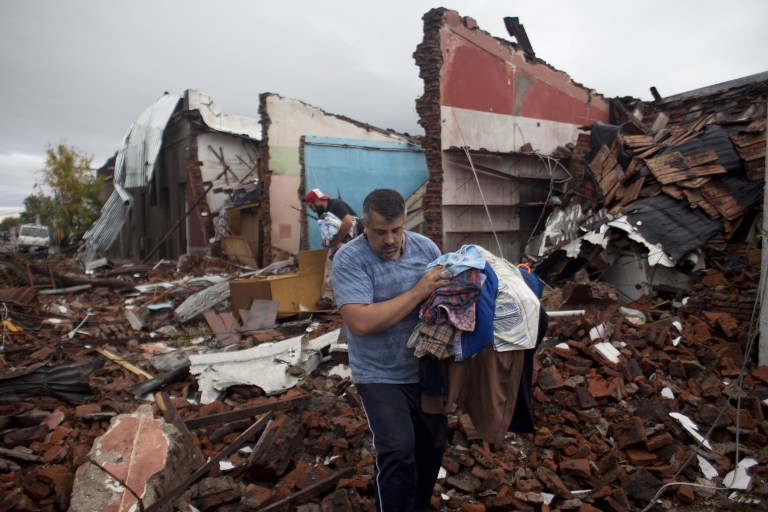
(571, 312)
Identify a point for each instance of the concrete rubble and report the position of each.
(629, 401)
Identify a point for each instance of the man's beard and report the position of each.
(319, 209)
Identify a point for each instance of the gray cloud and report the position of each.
(79, 72)
(18, 174)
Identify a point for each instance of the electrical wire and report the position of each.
(485, 203)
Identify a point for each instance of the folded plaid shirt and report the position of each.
(437, 340)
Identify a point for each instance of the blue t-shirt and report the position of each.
(360, 276)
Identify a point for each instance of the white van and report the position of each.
(32, 238)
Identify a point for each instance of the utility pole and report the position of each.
(762, 356)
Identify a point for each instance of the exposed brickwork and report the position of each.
(428, 57)
(265, 178)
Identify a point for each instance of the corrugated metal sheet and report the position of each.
(673, 225)
(145, 139)
(133, 168)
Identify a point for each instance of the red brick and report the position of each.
(761, 373)
(549, 379)
(85, 410)
(61, 479)
(577, 467)
(685, 493)
(629, 432)
(553, 482)
(658, 441)
(55, 454)
(54, 419)
(529, 485)
(304, 475)
(356, 482)
(256, 496)
(714, 278)
(641, 458)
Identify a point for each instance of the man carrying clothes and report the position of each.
(380, 281)
(350, 227)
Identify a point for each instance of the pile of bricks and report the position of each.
(605, 439)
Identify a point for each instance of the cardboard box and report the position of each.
(295, 293)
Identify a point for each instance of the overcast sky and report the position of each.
(80, 72)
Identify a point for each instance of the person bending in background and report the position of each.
(380, 281)
(322, 204)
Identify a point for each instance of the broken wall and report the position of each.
(493, 117)
(195, 159)
(285, 121)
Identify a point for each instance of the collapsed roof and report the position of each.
(678, 176)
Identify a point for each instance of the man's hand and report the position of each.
(431, 281)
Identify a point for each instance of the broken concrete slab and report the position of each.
(140, 457)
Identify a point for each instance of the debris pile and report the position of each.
(627, 400)
(659, 188)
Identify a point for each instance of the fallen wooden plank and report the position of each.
(247, 412)
(632, 191)
(673, 191)
(122, 362)
(674, 174)
(201, 301)
(238, 251)
(62, 291)
(705, 157)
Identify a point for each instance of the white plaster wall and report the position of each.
(503, 133)
(291, 119)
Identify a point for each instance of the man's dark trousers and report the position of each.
(409, 445)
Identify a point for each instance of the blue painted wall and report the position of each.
(352, 168)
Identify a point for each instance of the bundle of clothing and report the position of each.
(476, 339)
(329, 227)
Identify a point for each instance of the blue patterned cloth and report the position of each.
(455, 263)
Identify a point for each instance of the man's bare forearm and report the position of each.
(365, 319)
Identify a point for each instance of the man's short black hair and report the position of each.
(386, 202)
